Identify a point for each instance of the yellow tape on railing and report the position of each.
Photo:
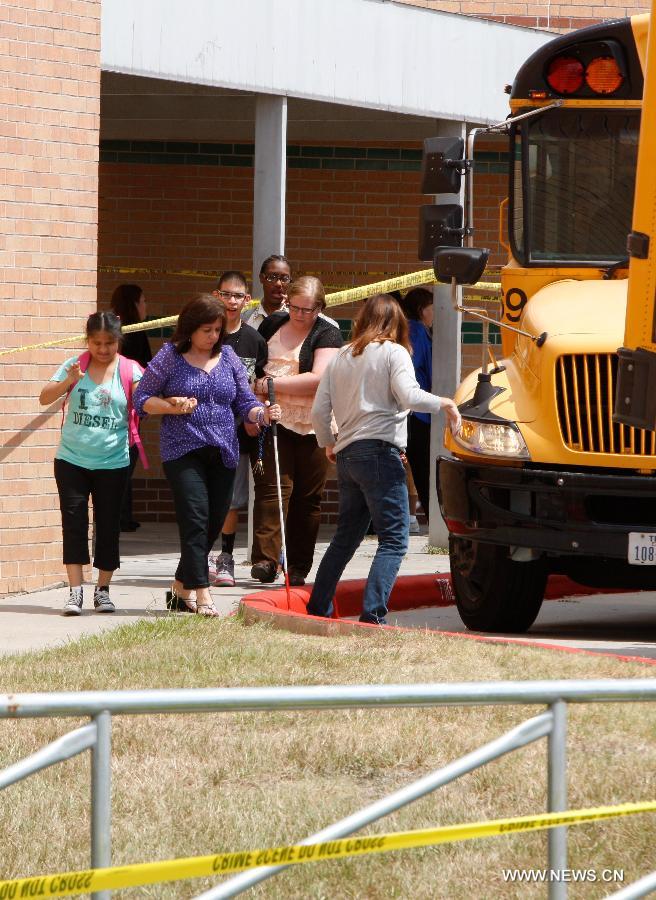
(338, 298)
(64, 884)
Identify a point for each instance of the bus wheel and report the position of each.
(492, 592)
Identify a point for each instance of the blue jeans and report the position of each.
(372, 486)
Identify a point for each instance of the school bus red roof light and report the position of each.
(565, 74)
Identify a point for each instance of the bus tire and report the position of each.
(492, 592)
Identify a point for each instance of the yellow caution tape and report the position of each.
(67, 883)
(76, 338)
(338, 298)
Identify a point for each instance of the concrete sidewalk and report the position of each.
(149, 557)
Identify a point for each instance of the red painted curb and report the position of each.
(410, 592)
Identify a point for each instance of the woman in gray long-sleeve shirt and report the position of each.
(369, 388)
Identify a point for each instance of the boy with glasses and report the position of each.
(252, 349)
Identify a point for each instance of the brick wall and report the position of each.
(169, 210)
(547, 15)
(49, 118)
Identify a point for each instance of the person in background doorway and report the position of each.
(199, 386)
(129, 305)
(369, 388)
(251, 348)
(92, 458)
(275, 277)
(418, 308)
(301, 345)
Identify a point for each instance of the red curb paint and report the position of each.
(410, 592)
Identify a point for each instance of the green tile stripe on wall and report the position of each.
(191, 153)
(472, 333)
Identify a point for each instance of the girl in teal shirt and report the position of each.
(92, 458)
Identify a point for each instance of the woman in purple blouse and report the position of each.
(199, 386)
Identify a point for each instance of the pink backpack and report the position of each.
(126, 372)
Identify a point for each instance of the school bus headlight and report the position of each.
(493, 439)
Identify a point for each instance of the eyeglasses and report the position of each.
(226, 295)
(303, 310)
(272, 277)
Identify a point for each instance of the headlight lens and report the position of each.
(493, 439)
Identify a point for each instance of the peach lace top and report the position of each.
(295, 409)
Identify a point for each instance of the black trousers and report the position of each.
(126, 508)
(105, 487)
(202, 490)
(418, 453)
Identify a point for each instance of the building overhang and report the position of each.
(374, 54)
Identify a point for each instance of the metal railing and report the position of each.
(552, 724)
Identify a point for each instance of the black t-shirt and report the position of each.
(253, 351)
(251, 348)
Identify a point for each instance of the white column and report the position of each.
(269, 189)
(447, 357)
(270, 179)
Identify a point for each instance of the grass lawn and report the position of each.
(193, 785)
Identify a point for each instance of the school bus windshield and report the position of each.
(573, 184)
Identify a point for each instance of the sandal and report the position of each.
(207, 609)
(176, 603)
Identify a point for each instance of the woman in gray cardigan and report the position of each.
(370, 387)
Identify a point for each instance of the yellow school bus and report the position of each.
(544, 478)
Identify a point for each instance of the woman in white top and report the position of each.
(301, 344)
(369, 388)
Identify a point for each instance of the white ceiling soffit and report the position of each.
(370, 53)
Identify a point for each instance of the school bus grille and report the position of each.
(585, 392)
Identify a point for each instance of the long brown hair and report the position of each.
(379, 320)
(202, 310)
(124, 303)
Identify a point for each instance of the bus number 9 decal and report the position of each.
(515, 302)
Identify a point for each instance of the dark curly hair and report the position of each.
(202, 310)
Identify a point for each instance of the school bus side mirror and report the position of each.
(464, 264)
(442, 165)
(439, 226)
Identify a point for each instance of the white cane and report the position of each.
(274, 432)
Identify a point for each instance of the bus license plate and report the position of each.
(642, 548)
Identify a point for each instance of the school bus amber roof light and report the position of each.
(603, 75)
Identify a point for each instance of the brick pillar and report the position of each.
(49, 122)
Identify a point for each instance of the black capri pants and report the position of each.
(106, 488)
(202, 491)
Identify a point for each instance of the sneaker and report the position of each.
(296, 579)
(414, 525)
(101, 601)
(73, 606)
(265, 571)
(224, 571)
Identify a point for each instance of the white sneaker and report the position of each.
(414, 525)
(73, 606)
(224, 574)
